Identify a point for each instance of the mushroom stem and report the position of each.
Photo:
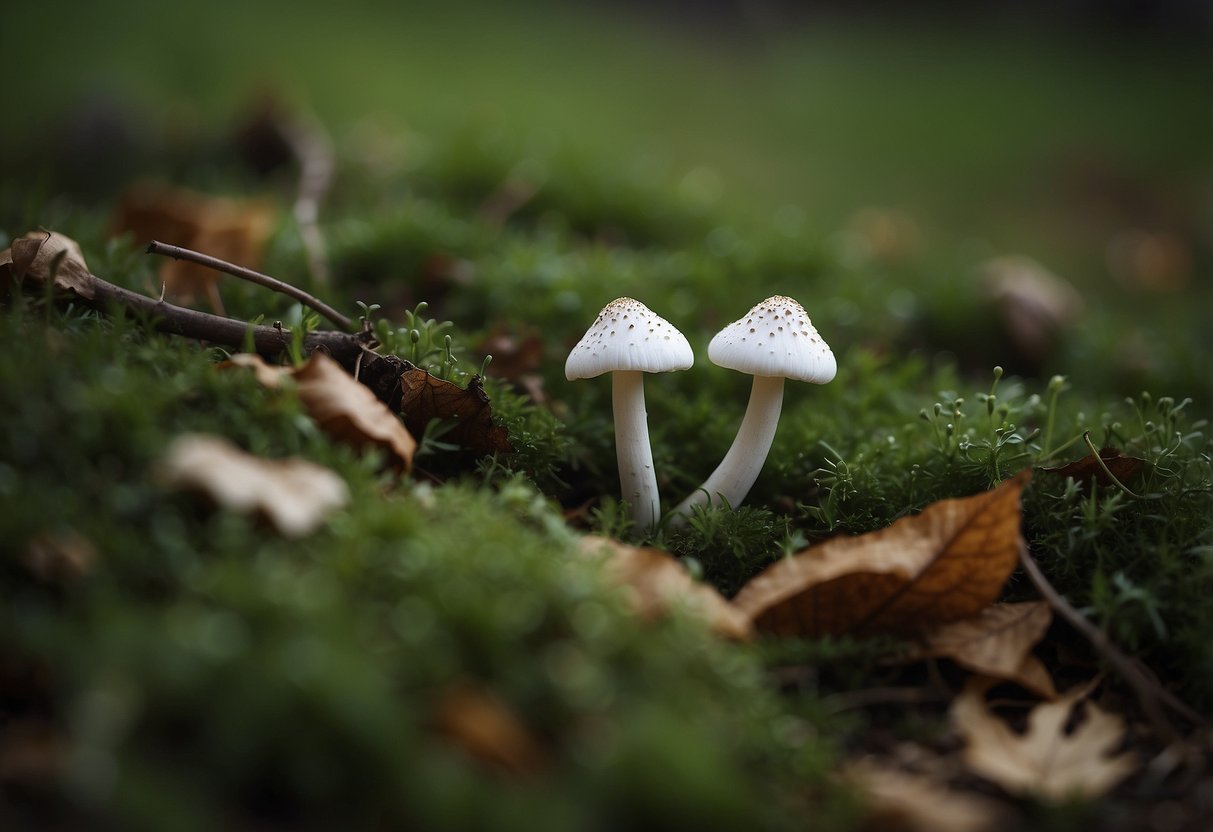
(637, 478)
(736, 473)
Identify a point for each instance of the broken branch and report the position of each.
(269, 341)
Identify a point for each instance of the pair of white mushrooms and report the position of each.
(774, 341)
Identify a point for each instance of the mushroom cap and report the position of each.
(628, 336)
(775, 338)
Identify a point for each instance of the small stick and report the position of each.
(178, 253)
(314, 152)
(1150, 694)
(1086, 437)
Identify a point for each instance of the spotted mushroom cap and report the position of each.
(775, 338)
(628, 336)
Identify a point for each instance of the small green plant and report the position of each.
(421, 341)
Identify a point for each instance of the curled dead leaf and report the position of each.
(488, 729)
(40, 254)
(294, 494)
(344, 408)
(267, 375)
(657, 582)
(349, 411)
(945, 564)
(996, 642)
(1049, 759)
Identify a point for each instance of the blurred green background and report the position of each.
(1049, 129)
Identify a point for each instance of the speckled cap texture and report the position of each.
(628, 336)
(775, 338)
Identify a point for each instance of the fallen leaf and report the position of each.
(61, 557)
(515, 354)
(1036, 306)
(234, 230)
(884, 234)
(945, 564)
(294, 494)
(996, 642)
(345, 409)
(32, 753)
(903, 802)
(38, 254)
(425, 397)
(1124, 468)
(267, 375)
(1160, 261)
(657, 582)
(488, 730)
(1047, 760)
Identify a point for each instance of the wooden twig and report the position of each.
(269, 341)
(1151, 695)
(178, 253)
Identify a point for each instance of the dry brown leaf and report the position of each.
(1036, 306)
(1124, 468)
(657, 582)
(945, 564)
(32, 753)
(294, 494)
(348, 411)
(996, 642)
(60, 557)
(898, 801)
(39, 253)
(267, 375)
(488, 729)
(425, 397)
(234, 230)
(1046, 760)
(345, 409)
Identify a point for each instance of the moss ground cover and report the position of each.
(203, 672)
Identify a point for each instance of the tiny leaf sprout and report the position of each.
(419, 340)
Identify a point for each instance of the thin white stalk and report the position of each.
(736, 473)
(637, 478)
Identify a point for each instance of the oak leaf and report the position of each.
(425, 397)
(657, 581)
(39, 254)
(294, 494)
(945, 564)
(996, 642)
(1047, 760)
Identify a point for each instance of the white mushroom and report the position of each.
(774, 341)
(626, 340)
